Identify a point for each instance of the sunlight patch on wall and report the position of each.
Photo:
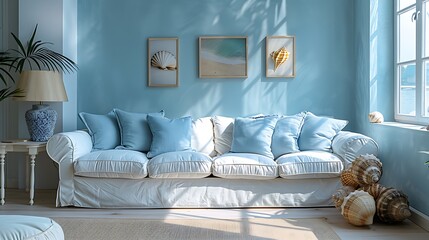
(373, 56)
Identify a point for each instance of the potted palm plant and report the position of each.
(6, 78)
(40, 80)
(35, 55)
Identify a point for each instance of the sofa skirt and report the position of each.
(211, 192)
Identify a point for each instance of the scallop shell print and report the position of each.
(279, 57)
(164, 60)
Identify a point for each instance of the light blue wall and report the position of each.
(112, 50)
(344, 67)
(401, 149)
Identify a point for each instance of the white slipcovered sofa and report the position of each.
(223, 167)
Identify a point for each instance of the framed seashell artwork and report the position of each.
(223, 57)
(163, 62)
(280, 56)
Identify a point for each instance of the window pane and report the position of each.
(407, 36)
(407, 89)
(405, 3)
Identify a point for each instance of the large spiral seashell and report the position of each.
(392, 206)
(340, 194)
(366, 169)
(374, 190)
(163, 60)
(375, 117)
(358, 208)
(347, 179)
(279, 57)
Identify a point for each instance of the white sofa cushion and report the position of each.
(244, 166)
(113, 163)
(350, 145)
(184, 164)
(202, 136)
(309, 164)
(223, 129)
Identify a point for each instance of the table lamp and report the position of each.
(41, 86)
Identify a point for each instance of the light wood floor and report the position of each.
(17, 203)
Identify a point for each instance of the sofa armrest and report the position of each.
(64, 149)
(68, 146)
(350, 145)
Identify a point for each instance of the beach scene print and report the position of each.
(223, 57)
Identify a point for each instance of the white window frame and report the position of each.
(419, 117)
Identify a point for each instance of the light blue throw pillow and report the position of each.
(252, 135)
(103, 129)
(169, 135)
(134, 129)
(317, 132)
(286, 134)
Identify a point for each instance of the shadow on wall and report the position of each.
(112, 54)
(240, 97)
(381, 55)
(113, 63)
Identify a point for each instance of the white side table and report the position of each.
(32, 148)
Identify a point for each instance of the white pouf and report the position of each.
(17, 227)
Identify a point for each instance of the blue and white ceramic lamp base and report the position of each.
(41, 121)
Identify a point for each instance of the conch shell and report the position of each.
(163, 60)
(375, 117)
(366, 169)
(279, 57)
(358, 208)
(347, 179)
(340, 194)
(374, 190)
(392, 206)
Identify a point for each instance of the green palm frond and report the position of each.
(35, 55)
(5, 65)
(7, 92)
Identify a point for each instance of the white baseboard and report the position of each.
(419, 218)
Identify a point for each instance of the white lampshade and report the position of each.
(42, 86)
